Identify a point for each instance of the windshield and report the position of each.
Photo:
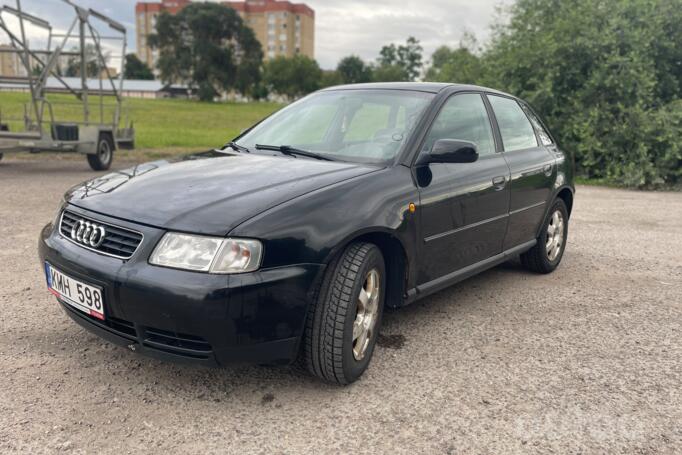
(365, 126)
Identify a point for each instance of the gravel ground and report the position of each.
(585, 360)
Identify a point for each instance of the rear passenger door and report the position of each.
(532, 166)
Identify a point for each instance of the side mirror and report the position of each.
(450, 151)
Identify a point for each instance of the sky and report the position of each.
(342, 27)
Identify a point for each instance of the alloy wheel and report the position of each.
(555, 235)
(367, 314)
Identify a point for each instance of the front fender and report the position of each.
(313, 227)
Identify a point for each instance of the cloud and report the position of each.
(343, 27)
(362, 27)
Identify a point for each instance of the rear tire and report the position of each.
(101, 161)
(344, 318)
(546, 255)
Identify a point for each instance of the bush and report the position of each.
(605, 74)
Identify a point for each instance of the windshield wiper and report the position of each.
(234, 146)
(292, 151)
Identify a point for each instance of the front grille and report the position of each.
(177, 343)
(118, 242)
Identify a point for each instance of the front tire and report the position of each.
(101, 161)
(546, 255)
(344, 319)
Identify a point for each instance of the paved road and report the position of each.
(586, 360)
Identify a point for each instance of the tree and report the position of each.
(208, 47)
(407, 56)
(353, 70)
(137, 69)
(454, 65)
(93, 64)
(292, 77)
(330, 78)
(390, 73)
(439, 58)
(606, 75)
(461, 65)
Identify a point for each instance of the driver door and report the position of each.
(464, 207)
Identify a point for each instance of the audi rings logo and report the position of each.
(88, 233)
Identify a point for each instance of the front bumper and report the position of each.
(186, 316)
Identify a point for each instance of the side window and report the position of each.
(542, 132)
(463, 117)
(515, 128)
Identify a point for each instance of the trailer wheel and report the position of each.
(101, 160)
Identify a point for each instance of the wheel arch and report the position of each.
(395, 259)
(566, 194)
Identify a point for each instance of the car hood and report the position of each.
(209, 193)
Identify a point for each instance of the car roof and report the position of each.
(429, 87)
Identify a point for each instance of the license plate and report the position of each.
(82, 296)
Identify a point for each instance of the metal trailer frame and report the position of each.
(96, 138)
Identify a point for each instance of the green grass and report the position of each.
(160, 125)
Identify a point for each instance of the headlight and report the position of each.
(207, 254)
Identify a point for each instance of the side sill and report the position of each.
(445, 281)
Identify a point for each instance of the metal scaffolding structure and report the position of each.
(96, 137)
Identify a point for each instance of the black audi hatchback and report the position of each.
(287, 243)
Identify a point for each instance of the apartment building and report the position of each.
(283, 28)
(10, 62)
(12, 65)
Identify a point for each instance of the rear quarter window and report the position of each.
(545, 138)
(515, 128)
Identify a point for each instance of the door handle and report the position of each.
(547, 169)
(499, 182)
